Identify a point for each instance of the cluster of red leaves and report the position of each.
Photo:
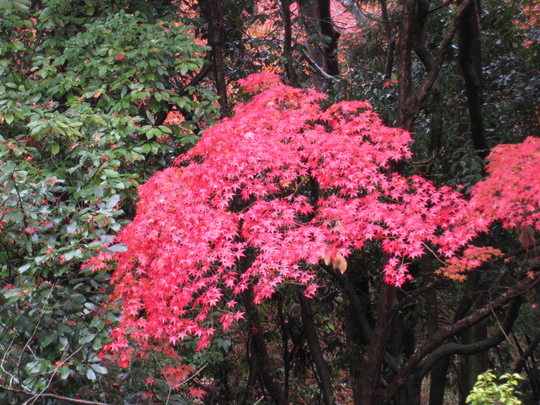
(472, 257)
(263, 197)
(511, 193)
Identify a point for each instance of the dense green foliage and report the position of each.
(82, 90)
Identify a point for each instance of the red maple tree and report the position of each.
(283, 186)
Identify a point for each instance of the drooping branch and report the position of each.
(161, 115)
(316, 66)
(355, 10)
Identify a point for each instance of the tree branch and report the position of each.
(315, 66)
(443, 47)
(520, 362)
(55, 396)
(476, 347)
(452, 330)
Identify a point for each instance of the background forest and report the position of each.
(97, 96)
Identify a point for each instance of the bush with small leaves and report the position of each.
(492, 390)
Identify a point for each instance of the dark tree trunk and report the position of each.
(390, 41)
(409, 102)
(436, 102)
(318, 23)
(474, 364)
(526, 360)
(287, 43)
(372, 360)
(355, 323)
(328, 30)
(252, 377)
(470, 62)
(260, 351)
(258, 347)
(439, 371)
(316, 352)
(214, 10)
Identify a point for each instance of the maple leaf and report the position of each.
(271, 193)
(511, 192)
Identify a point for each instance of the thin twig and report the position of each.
(194, 375)
(55, 396)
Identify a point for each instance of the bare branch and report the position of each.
(55, 396)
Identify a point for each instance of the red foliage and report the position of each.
(266, 194)
(511, 193)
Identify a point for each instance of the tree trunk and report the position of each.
(260, 351)
(475, 364)
(470, 62)
(440, 369)
(372, 360)
(287, 43)
(390, 41)
(214, 11)
(407, 103)
(318, 23)
(436, 104)
(258, 344)
(356, 324)
(316, 352)
(252, 376)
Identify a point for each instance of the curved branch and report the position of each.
(520, 362)
(445, 333)
(314, 65)
(476, 347)
(443, 47)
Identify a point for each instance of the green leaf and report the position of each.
(48, 339)
(119, 247)
(24, 267)
(64, 372)
(90, 374)
(87, 338)
(99, 369)
(111, 202)
(55, 148)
